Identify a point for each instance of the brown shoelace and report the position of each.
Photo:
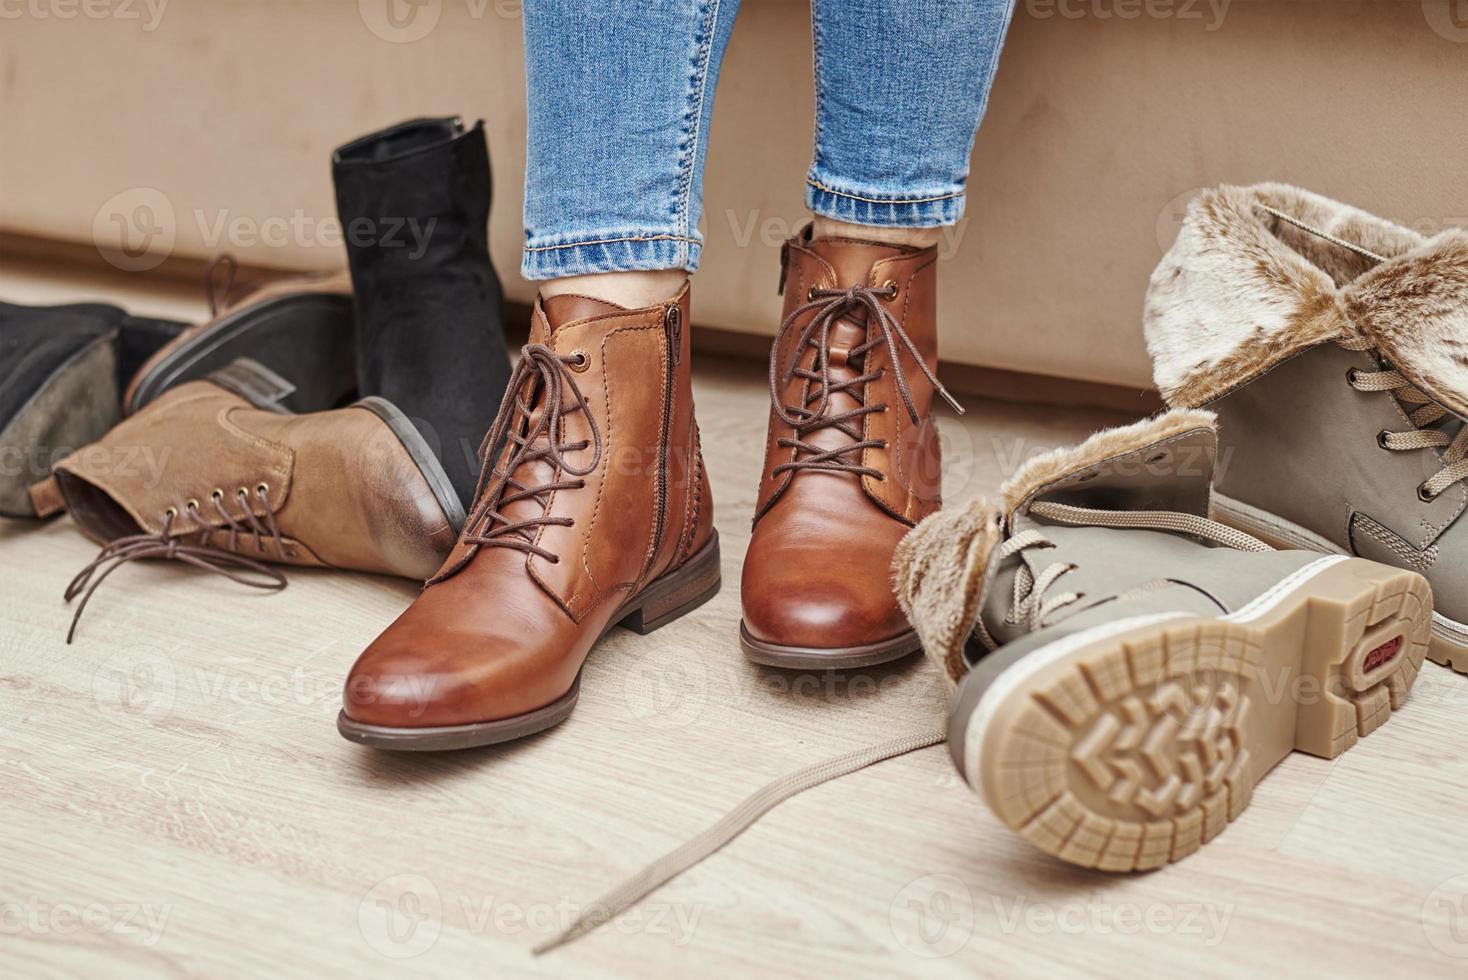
(541, 379)
(220, 296)
(221, 561)
(883, 329)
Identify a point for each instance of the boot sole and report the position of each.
(308, 338)
(74, 407)
(827, 658)
(1449, 646)
(1127, 746)
(675, 594)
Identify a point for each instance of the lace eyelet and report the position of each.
(890, 287)
(1381, 438)
(580, 360)
(218, 494)
(1154, 460)
(170, 513)
(810, 295)
(1424, 495)
(262, 487)
(191, 504)
(1351, 374)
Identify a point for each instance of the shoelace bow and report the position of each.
(883, 329)
(1031, 606)
(166, 545)
(1424, 414)
(545, 378)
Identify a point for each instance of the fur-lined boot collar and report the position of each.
(944, 565)
(1242, 289)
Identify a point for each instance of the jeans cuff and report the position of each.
(584, 255)
(858, 207)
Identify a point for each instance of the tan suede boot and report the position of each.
(203, 476)
(1125, 670)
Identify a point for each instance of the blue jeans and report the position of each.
(620, 93)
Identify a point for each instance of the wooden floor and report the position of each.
(176, 800)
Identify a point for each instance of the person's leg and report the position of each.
(620, 93)
(901, 87)
(852, 461)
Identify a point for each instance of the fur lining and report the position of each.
(940, 572)
(942, 567)
(1241, 290)
(1048, 468)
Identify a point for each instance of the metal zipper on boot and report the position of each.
(673, 330)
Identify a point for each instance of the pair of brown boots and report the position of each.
(597, 509)
(593, 508)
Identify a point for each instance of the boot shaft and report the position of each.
(633, 499)
(893, 422)
(1329, 342)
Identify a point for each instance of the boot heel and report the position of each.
(1365, 641)
(677, 592)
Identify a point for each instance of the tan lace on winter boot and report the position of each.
(1334, 347)
(1126, 669)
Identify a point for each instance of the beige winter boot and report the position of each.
(1125, 669)
(1334, 347)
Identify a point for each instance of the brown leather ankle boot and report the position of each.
(596, 513)
(852, 458)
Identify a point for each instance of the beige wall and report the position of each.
(1106, 114)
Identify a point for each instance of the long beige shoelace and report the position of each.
(1030, 604)
(734, 823)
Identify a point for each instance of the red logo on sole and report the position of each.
(1381, 655)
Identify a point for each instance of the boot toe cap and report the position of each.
(410, 678)
(840, 606)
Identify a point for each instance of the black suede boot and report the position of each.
(61, 371)
(414, 206)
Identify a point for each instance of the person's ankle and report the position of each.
(633, 290)
(824, 227)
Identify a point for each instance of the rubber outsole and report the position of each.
(675, 594)
(1449, 644)
(309, 338)
(822, 658)
(1127, 750)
